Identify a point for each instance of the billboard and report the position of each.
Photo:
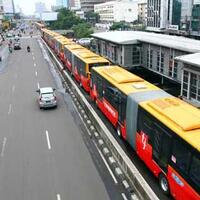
(49, 16)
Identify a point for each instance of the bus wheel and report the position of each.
(164, 185)
(119, 131)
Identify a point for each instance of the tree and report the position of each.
(82, 30)
(92, 17)
(119, 26)
(66, 19)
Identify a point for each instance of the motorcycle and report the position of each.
(10, 49)
(28, 49)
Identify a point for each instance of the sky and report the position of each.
(28, 6)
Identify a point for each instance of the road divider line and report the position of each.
(13, 88)
(33, 58)
(36, 73)
(38, 85)
(48, 140)
(105, 162)
(58, 197)
(3, 146)
(9, 109)
(34, 64)
(124, 196)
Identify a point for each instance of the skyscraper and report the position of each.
(62, 3)
(8, 6)
(163, 13)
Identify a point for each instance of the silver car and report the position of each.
(47, 97)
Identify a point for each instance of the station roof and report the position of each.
(191, 59)
(134, 37)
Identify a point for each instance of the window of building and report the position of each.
(136, 55)
(162, 63)
(185, 83)
(158, 61)
(151, 59)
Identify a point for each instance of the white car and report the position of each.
(47, 97)
(84, 41)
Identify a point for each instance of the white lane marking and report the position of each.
(34, 64)
(38, 85)
(104, 160)
(36, 73)
(13, 88)
(124, 196)
(3, 146)
(48, 140)
(33, 58)
(10, 109)
(58, 197)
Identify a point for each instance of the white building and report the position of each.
(142, 11)
(74, 4)
(158, 14)
(116, 11)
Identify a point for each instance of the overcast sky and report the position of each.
(28, 6)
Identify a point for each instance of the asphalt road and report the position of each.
(43, 153)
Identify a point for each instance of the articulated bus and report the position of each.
(60, 42)
(83, 62)
(49, 36)
(162, 129)
(69, 51)
(39, 25)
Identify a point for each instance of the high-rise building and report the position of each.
(157, 14)
(88, 5)
(142, 11)
(162, 14)
(62, 3)
(8, 6)
(40, 7)
(116, 11)
(74, 4)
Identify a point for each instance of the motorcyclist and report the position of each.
(28, 48)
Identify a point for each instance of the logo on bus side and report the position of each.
(177, 180)
(144, 140)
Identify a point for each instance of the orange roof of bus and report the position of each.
(90, 57)
(63, 40)
(74, 46)
(124, 80)
(179, 116)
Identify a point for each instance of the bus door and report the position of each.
(162, 142)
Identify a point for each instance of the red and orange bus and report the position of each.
(82, 64)
(69, 51)
(162, 129)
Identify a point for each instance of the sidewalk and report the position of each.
(4, 53)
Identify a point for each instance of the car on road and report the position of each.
(47, 97)
(84, 41)
(17, 46)
(9, 35)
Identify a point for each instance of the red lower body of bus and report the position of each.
(179, 188)
(85, 82)
(76, 74)
(68, 64)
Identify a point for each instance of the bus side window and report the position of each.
(180, 156)
(145, 124)
(194, 173)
